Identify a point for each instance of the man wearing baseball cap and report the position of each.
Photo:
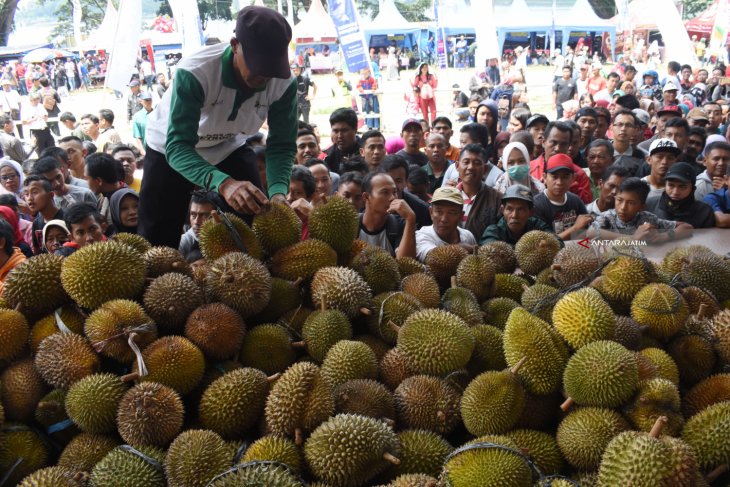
(662, 155)
(517, 219)
(447, 209)
(661, 120)
(412, 135)
(197, 135)
(678, 202)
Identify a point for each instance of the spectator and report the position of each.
(139, 121)
(85, 226)
(326, 183)
(662, 155)
(677, 202)
(108, 135)
(34, 117)
(345, 142)
(481, 202)
(201, 210)
(10, 216)
(54, 235)
(11, 178)
(123, 204)
(10, 255)
(564, 89)
(625, 126)
(600, 157)
(397, 168)
(76, 152)
(717, 161)
(443, 126)
(516, 161)
(587, 120)
(418, 183)
(128, 157)
(695, 145)
(62, 157)
(719, 201)
(427, 84)
(373, 149)
(447, 210)
(516, 218)
(64, 194)
(307, 146)
(596, 82)
(609, 182)
(536, 125)
(437, 163)
(39, 196)
(351, 189)
(11, 146)
(412, 135)
(368, 86)
(133, 99)
(105, 176)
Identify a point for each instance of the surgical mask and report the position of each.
(518, 172)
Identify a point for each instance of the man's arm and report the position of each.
(722, 220)
(280, 144)
(314, 89)
(407, 246)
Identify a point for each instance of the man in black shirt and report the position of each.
(564, 89)
(345, 142)
(397, 168)
(412, 135)
(303, 99)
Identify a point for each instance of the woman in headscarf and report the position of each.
(55, 234)
(123, 205)
(7, 214)
(487, 115)
(11, 180)
(516, 164)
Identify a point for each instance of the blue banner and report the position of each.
(352, 40)
(441, 42)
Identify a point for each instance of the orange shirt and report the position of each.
(15, 259)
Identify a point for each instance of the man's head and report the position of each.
(38, 193)
(503, 105)
(686, 72)
(6, 123)
(103, 172)
(612, 82)
(680, 182)
(600, 156)
(625, 125)
(677, 130)
(418, 183)
(134, 86)
(161, 78)
(609, 183)
(630, 198)
(669, 93)
(471, 164)
(673, 68)
(586, 118)
(558, 137)
(145, 98)
(630, 73)
(128, 156)
(697, 118)
(90, 125)
(558, 175)
(602, 123)
(84, 224)
(322, 178)
(343, 123)
(714, 115)
(301, 184)
(443, 126)
(717, 159)
(350, 188)
(412, 134)
(473, 104)
(373, 148)
(75, 150)
(447, 208)
(702, 75)
(68, 119)
(536, 125)
(474, 133)
(378, 192)
(307, 146)
(296, 69)
(436, 148)
(695, 142)
(201, 210)
(516, 208)
(50, 168)
(106, 118)
(397, 168)
(662, 154)
(62, 157)
(567, 72)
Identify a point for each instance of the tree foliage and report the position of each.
(209, 9)
(7, 13)
(692, 8)
(91, 17)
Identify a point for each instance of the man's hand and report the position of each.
(401, 208)
(302, 208)
(243, 196)
(646, 231)
(719, 182)
(582, 221)
(279, 198)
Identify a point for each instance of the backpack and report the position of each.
(393, 229)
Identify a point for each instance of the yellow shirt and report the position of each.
(136, 185)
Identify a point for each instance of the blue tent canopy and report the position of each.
(390, 22)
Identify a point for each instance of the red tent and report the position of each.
(701, 26)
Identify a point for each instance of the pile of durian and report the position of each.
(327, 362)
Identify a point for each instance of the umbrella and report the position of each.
(43, 54)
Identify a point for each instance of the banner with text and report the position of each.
(352, 39)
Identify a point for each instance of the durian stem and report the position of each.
(298, 282)
(390, 458)
(323, 305)
(299, 344)
(216, 216)
(365, 311)
(273, 378)
(298, 438)
(516, 368)
(525, 287)
(82, 477)
(715, 474)
(567, 404)
(53, 406)
(556, 267)
(702, 312)
(656, 430)
(441, 416)
(141, 367)
(323, 197)
(130, 377)
(453, 282)
(389, 422)
(393, 326)
(543, 243)
(19, 307)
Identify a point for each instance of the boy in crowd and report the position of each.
(201, 209)
(556, 205)
(378, 225)
(447, 210)
(351, 189)
(607, 186)
(397, 168)
(373, 149)
(717, 161)
(412, 135)
(678, 203)
(85, 225)
(60, 154)
(516, 220)
(662, 155)
(481, 202)
(629, 218)
(65, 194)
(39, 196)
(719, 201)
(326, 182)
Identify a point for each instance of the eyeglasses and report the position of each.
(9, 177)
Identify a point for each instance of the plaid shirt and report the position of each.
(609, 220)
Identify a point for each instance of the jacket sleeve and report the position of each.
(281, 142)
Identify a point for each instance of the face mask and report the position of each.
(519, 172)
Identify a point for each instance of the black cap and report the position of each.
(264, 35)
(586, 112)
(537, 118)
(682, 171)
(518, 192)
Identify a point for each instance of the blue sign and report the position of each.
(352, 40)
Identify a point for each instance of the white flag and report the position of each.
(77, 21)
(187, 17)
(486, 32)
(123, 57)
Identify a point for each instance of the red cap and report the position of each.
(602, 103)
(673, 109)
(559, 162)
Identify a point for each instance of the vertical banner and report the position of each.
(718, 35)
(677, 46)
(125, 46)
(187, 17)
(486, 32)
(553, 13)
(441, 55)
(352, 39)
(77, 12)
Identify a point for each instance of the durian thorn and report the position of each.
(389, 422)
(715, 474)
(453, 282)
(149, 280)
(393, 326)
(390, 458)
(298, 282)
(299, 344)
(556, 267)
(216, 216)
(130, 377)
(516, 368)
(19, 307)
(441, 416)
(702, 311)
(170, 309)
(176, 265)
(656, 430)
(567, 404)
(298, 439)
(273, 378)
(365, 311)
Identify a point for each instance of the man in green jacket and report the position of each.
(516, 220)
(221, 96)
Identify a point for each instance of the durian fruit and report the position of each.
(582, 317)
(601, 374)
(497, 310)
(709, 272)
(137, 242)
(393, 307)
(489, 461)
(628, 332)
(655, 398)
(163, 260)
(173, 361)
(19, 442)
(545, 277)
(303, 259)
(86, 450)
(171, 298)
(91, 403)
(421, 452)
(435, 342)
(268, 348)
(573, 264)
(542, 448)
(377, 345)
(277, 227)
(348, 450)
(285, 296)
(150, 414)
(257, 473)
(378, 268)
(584, 434)
(347, 259)
(710, 391)
(232, 404)
(539, 412)
(462, 302)
(365, 397)
(634, 458)
(293, 320)
(322, 330)
(101, 272)
(488, 350)
(275, 449)
(539, 300)
(492, 402)
(696, 297)
(21, 387)
(675, 259)
(546, 354)
(113, 325)
(536, 250)
(509, 286)
(241, 282)
(195, 458)
(623, 278)
(341, 288)
(695, 358)
(443, 261)
(662, 361)
(34, 286)
(394, 368)
(335, 223)
(476, 273)
(216, 329)
(429, 403)
(661, 309)
(299, 401)
(14, 333)
(64, 358)
(68, 317)
(216, 240)
(424, 288)
(409, 265)
(414, 480)
(52, 477)
(51, 414)
(131, 467)
(502, 255)
(348, 360)
(708, 432)
(720, 335)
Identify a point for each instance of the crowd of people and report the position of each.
(650, 164)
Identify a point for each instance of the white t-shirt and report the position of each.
(652, 190)
(427, 240)
(146, 67)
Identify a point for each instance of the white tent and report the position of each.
(315, 26)
(390, 21)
